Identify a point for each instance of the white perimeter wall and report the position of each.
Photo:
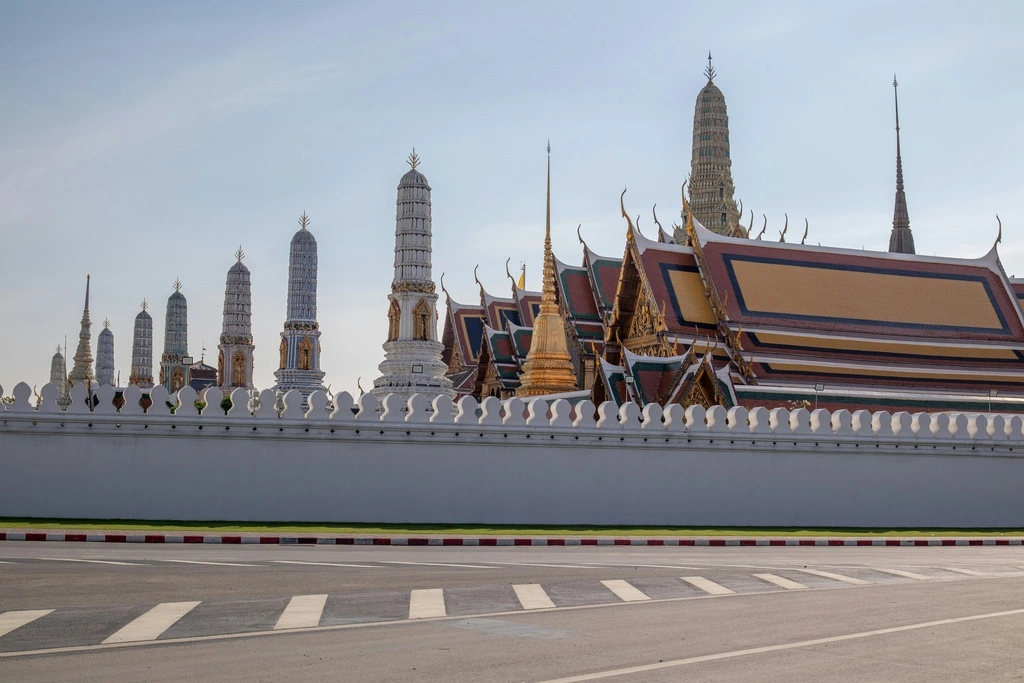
(795, 469)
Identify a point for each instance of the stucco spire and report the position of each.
(901, 240)
(235, 357)
(710, 184)
(412, 354)
(299, 350)
(548, 368)
(82, 373)
(141, 374)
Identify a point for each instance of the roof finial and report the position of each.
(807, 227)
(304, 221)
(239, 254)
(413, 160)
(106, 323)
(145, 305)
(782, 235)
(177, 284)
(88, 278)
(999, 236)
(710, 71)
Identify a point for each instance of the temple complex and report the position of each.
(172, 367)
(703, 315)
(412, 355)
(141, 374)
(299, 364)
(82, 374)
(105, 355)
(235, 360)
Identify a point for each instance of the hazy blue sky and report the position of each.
(145, 141)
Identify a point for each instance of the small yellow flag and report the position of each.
(522, 279)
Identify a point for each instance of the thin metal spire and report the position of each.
(710, 71)
(901, 240)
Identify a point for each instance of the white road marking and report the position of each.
(625, 590)
(328, 564)
(12, 620)
(900, 572)
(781, 581)
(837, 577)
(653, 566)
(440, 564)
(303, 611)
(218, 564)
(706, 585)
(6, 562)
(971, 572)
(150, 625)
(69, 559)
(427, 603)
(775, 648)
(532, 596)
(559, 566)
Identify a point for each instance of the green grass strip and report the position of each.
(272, 528)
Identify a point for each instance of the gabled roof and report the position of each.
(521, 338)
(604, 277)
(501, 353)
(466, 325)
(527, 304)
(675, 281)
(498, 310)
(848, 291)
(576, 290)
(654, 379)
(613, 378)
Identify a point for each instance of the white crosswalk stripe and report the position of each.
(968, 572)
(532, 596)
(427, 603)
(836, 577)
(900, 572)
(303, 611)
(707, 585)
(12, 620)
(150, 625)
(781, 581)
(625, 590)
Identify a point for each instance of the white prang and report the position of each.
(299, 353)
(412, 354)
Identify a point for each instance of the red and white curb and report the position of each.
(504, 541)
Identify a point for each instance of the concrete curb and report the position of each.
(502, 541)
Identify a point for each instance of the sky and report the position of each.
(144, 142)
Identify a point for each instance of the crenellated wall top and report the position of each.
(535, 418)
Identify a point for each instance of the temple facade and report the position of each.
(299, 362)
(173, 370)
(235, 360)
(141, 374)
(412, 355)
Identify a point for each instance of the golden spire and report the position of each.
(548, 368)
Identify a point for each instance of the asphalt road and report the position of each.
(101, 612)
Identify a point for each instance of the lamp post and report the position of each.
(817, 388)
